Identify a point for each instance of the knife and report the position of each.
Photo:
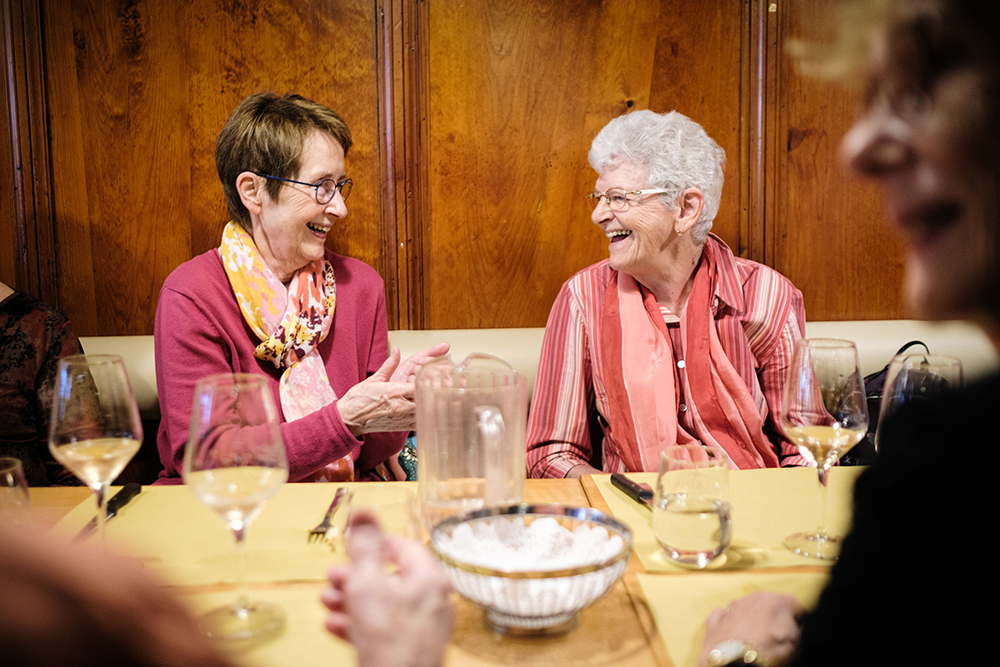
(640, 493)
(118, 501)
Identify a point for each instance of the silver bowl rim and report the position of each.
(542, 509)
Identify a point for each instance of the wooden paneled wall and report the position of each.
(471, 122)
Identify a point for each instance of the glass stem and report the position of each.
(243, 593)
(824, 476)
(100, 494)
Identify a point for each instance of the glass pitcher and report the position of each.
(471, 424)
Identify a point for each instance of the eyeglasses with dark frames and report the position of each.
(324, 190)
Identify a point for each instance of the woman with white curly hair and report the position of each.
(673, 339)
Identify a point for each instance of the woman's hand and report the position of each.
(768, 622)
(407, 371)
(398, 619)
(384, 402)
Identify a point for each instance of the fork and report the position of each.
(319, 532)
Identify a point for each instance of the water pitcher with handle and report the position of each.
(471, 423)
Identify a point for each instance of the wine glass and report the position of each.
(824, 413)
(95, 428)
(235, 462)
(917, 376)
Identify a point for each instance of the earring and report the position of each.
(679, 232)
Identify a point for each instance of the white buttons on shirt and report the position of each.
(681, 364)
(683, 408)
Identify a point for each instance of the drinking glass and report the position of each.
(824, 412)
(692, 516)
(234, 463)
(395, 507)
(914, 377)
(95, 428)
(15, 501)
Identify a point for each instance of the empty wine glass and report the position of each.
(235, 462)
(913, 377)
(824, 413)
(95, 428)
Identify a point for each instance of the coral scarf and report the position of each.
(641, 377)
(290, 322)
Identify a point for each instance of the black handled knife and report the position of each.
(640, 493)
(118, 501)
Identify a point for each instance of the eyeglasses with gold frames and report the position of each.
(618, 199)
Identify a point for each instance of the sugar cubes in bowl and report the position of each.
(533, 568)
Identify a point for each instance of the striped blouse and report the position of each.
(569, 385)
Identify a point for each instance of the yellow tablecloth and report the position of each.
(189, 545)
(768, 505)
(303, 641)
(680, 605)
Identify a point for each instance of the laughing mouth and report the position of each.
(619, 235)
(316, 228)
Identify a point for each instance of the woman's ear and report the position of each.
(251, 189)
(689, 206)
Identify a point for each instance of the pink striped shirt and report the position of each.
(570, 385)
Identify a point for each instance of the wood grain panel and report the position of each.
(517, 92)
(9, 170)
(830, 239)
(139, 90)
(697, 72)
(471, 120)
(26, 154)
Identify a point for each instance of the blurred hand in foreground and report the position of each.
(768, 622)
(400, 618)
(70, 605)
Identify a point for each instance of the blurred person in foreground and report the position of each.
(33, 338)
(902, 591)
(70, 605)
(272, 300)
(673, 339)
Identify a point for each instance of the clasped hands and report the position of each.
(385, 400)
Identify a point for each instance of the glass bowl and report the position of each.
(533, 568)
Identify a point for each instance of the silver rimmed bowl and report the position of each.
(496, 559)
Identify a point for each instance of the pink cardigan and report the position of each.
(200, 332)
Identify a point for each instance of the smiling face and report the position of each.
(920, 137)
(640, 236)
(290, 231)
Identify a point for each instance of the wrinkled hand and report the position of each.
(400, 619)
(72, 604)
(407, 371)
(767, 621)
(385, 401)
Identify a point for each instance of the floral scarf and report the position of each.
(291, 323)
